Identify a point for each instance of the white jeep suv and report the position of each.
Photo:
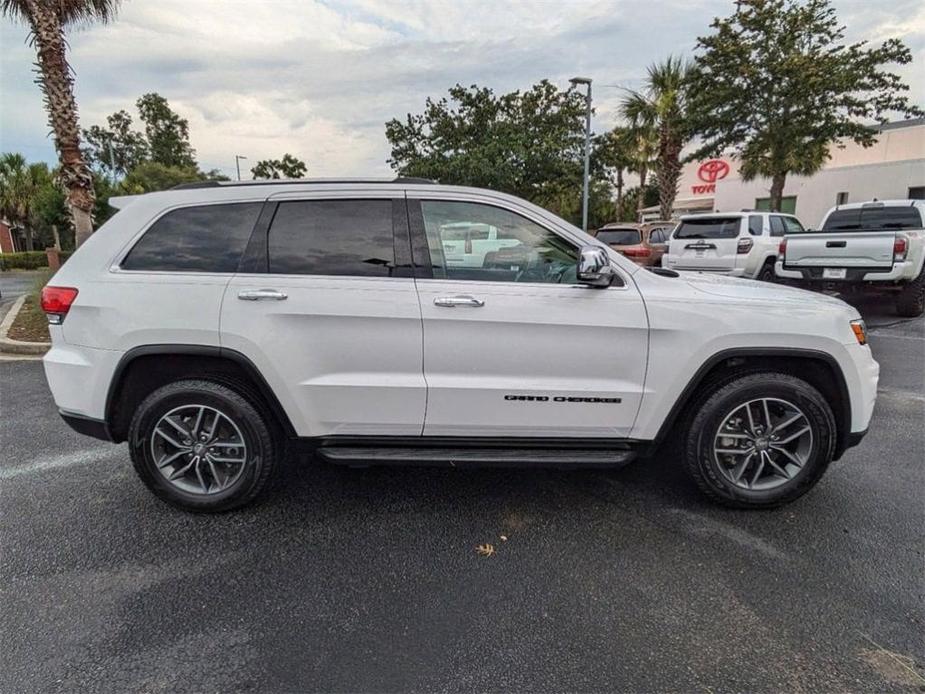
(214, 326)
(738, 244)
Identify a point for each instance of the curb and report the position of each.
(8, 346)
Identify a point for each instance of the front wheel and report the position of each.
(760, 440)
(201, 446)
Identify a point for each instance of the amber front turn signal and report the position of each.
(860, 331)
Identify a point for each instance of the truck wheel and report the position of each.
(911, 300)
(201, 446)
(760, 440)
(766, 273)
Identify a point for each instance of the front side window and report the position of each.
(792, 225)
(499, 246)
(207, 238)
(332, 237)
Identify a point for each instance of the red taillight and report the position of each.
(900, 248)
(56, 302)
(637, 252)
(782, 248)
(745, 245)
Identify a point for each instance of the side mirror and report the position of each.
(594, 267)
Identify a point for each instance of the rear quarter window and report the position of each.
(205, 238)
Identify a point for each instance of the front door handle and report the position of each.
(259, 294)
(452, 301)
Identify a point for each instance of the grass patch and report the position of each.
(31, 325)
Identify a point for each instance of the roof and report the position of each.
(881, 203)
(685, 204)
(897, 124)
(298, 181)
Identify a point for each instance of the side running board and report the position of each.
(365, 456)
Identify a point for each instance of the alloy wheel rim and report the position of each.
(763, 444)
(198, 449)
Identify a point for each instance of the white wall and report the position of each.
(817, 194)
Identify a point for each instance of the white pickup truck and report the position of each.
(864, 247)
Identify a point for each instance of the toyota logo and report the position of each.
(713, 170)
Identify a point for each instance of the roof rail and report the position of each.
(195, 184)
(406, 180)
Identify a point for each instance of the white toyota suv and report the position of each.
(214, 327)
(738, 244)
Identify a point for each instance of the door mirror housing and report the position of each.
(594, 268)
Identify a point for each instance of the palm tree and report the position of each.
(19, 187)
(47, 20)
(658, 112)
(613, 155)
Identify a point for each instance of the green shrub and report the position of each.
(27, 260)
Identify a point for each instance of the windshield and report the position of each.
(711, 228)
(873, 218)
(619, 237)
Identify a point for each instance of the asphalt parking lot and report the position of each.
(361, 580)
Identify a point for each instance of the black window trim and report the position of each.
(420, 250)
(116, 265)
(256, 257)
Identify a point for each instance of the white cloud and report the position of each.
(319, 78)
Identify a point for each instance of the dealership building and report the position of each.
(894, 167)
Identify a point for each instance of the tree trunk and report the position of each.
(57, 84)
(57, 236)
(27, 236)
(619, 193)
(668, 171)
(641, 198)
(777, 190)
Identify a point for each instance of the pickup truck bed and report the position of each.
(877, 246)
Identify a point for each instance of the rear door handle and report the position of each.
(261, 294)
(451, 301)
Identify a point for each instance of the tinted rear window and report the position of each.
(873, 218)
(620, 237)
(209, 238)
(332, 237)
(712, 228)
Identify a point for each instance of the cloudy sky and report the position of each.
(319, 78)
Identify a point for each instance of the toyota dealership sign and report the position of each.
(710, 171)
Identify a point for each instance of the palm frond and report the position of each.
(69, 11)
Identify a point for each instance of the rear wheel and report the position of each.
(760, 440)
(766, 274)
(201, 446)
(910, 303)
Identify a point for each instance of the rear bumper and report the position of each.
(899, 271)
(87, 426)
(79, 378)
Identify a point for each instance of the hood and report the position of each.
(752, 290)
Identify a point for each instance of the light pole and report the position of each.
(237, 164)
(584, 192)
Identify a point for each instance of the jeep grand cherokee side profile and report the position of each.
(211, 326)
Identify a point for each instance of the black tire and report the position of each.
(910, 303)
(766, 274)
(709, 411)
(260, 453)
